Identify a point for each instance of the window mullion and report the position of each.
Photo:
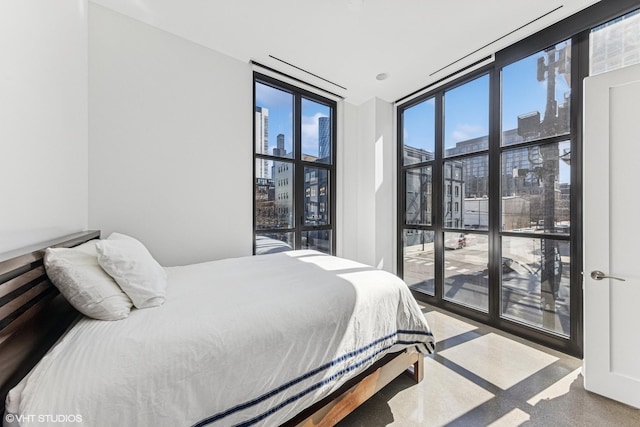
(299, 170)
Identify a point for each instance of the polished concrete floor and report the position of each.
(483, 377)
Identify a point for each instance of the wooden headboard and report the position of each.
(33, 314)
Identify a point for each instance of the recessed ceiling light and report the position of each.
(382, 76)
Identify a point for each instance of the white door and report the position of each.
(612, 235)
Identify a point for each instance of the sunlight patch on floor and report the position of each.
(445, 327)
(441, 398)
(499, 360)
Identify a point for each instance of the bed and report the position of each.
(290, 338)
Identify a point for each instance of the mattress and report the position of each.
(243, 341)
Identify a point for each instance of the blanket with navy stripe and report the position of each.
(243, 341)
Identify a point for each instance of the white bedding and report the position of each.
(239, 341)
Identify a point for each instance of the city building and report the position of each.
(283, 196)
(455, 183)
(262, 141)
(614, 46)
(279, 150)
(324, 137)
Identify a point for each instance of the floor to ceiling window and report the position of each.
(535, 190)
(495, 251)
(294, 174)
(465, 201)
(490, 180)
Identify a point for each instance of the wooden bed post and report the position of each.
(418, 369)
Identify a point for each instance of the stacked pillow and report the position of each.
(134, 269)
(103, 279)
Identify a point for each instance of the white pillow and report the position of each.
(88, 288)
(134, 269)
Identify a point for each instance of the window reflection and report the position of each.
(466, 260)
(536, 282)
(270, 243)
(615, 44)
(536, 188)
(319, 240)
(419, 260)
(418, 196)
(536, 95)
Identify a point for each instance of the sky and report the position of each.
(280, 106)
(466, 107)
(466, 110)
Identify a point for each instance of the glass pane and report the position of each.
(316, 132)
(466, 117)
(274, 123)
(536, 95)
(316, 196)
(535, 282)
(418, 196)
(274, 195)
(319, 240)
(615, 44)
(536, 188)
(271, 243)
(466, 279)
(466, 190)
(418, 260)
(418, 132)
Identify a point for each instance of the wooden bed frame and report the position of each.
(33, 316)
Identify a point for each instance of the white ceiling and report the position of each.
(349, 42)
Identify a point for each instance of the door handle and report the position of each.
(599, 275)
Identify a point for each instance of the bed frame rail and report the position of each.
(331, 410)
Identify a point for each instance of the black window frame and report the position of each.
(298, 163)
(576, 28)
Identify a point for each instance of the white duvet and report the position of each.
(249, 341)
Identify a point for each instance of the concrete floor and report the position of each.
(483, 377)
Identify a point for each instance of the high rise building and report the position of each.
(324, 137)
(262, 142)
(615, 44)
(280, 150)
(283, 193)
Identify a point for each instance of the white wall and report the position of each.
(43, 120)
(385, 187)
(369, 185)
(170, 141)
(347, 193)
